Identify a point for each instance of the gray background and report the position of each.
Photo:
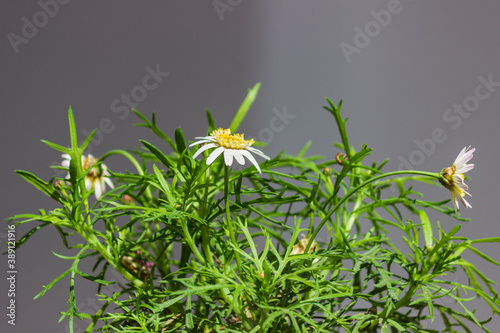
(396, 89)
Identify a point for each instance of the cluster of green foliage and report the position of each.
(235, 251)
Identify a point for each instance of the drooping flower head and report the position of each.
(97, 176)
(233, 146)
(453, 177)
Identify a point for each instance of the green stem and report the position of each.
(354, 215)
(205, 237)
(92, 239)
(134, 162)
(190, 242)
(228, 215)
(360, 186)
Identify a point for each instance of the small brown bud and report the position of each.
(337, 158)
(127, 199)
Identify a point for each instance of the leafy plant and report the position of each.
(303, 247)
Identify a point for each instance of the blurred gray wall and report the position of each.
(405, 70)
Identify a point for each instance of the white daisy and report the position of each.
(453, 177)
(232, 145)
(96, 178)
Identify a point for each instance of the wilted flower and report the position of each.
(300, 248)
(232, 145)
(97, 176)
(453, 177)
(139, 267)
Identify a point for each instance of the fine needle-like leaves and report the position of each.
(311, 244)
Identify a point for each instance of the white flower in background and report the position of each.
(300, 248)
(234, 146)
(453, 177)
(96, 178)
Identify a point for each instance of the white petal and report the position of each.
(228, 157)
(199, 142)
(464, 157)
(239, 157)
(465, 168)
(258, 152)
(464, 202)
(251, 159)
(208, 137)
(461, 186)
(105, 171)
(202, 149)
(98, 189)
(459, 157)
(65, 163)
(109, 182)
(66, 156)
(455, 201)
(88, 184)
(215, 154)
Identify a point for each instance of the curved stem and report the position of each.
(360, 186)
(134, 162)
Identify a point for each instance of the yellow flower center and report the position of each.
(225, 139)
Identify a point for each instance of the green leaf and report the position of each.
(94, 278)
(427, 228)
(428, 298)
(46, 188)
(51, 284)
(72, 129)
(154, 128)
(57, 147)
(158, 153)
(245, 106)
(483, 255)
(210, 120)
(335, 111)
(87, 141)
(486, 240)
(29, 234)
(164, 185)
(180, 141)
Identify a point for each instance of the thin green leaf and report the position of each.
(245, 106)
(46, 188)
(57, 147)
(180, 141)
(427, 228)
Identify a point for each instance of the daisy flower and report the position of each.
(96, 178)
(234, 146)
(453, 177)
